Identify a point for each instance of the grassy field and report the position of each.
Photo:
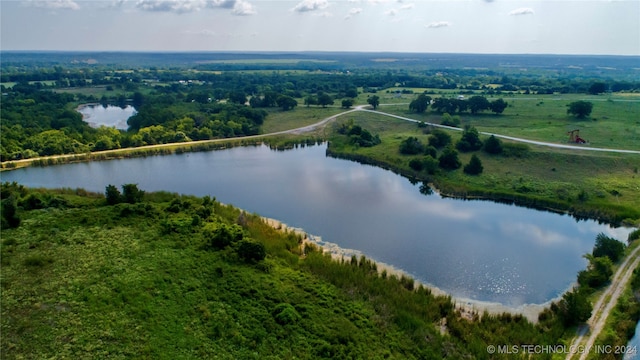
(279, 120)
(614, 122)
(588, 183)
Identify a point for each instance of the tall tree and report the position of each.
(474, 167)
(498, 106)
(420, 104)
(324, 99)
(478, 103)
(374, 101)
(580, 109)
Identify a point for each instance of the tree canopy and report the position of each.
(580, 109)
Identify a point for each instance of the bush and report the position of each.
(609, 247)
(112, 194)
(222, 235)
(251, 251)
(439, 139)
(470, 140)
(449, 159)
(493, 145)
(411, 146)
(131, 194)
(285, 314)
(474, 167)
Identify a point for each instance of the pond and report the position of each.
(97, 115)
(478, 250)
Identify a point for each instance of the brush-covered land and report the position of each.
(157, 275)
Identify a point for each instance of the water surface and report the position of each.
(472, 249)
(110, 116)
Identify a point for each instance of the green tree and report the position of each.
(597, 88)
(449, 159)
(478, 103)
(411, 146)
(310, 100)
(580, 109)
(131, 194)
(575, 307)
(374, 101)
(439, 139)
(420, 104)
(112, 195)
(347, 103)
(498, 106)
(10, 217)
(251, 251)
(493, 145)
(324, 99)
(607, 246)
(474, 167)
(470, 140)
(286, 102)
(222, 235)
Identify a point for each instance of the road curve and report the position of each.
(527, 141)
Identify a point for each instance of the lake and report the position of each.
(477, 250)
(111, 116)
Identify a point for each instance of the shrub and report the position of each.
(439, 138)
(493, 145)
(222, 235)
(609, 247)
(474, 167)
(470, 140)
(285, 314)
(411, 146)
(449, 159)
(112, 194)
(251, 251)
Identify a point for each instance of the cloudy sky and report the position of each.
(610, 27)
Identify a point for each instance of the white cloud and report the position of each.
(177, 6)
(311, 5)
(243, 8)
(407, 6)
(438, 24)
(353, 12)
(522, 11)
(55, 4)
(391, 12)
(238, 7)
(203, 32)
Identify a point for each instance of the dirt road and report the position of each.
(604, 305)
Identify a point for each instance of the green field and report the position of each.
(614, 122)
(587, 183)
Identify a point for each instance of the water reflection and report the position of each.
(107, 115)
(473, 249)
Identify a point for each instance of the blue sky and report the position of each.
(608, 27)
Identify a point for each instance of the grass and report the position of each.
(279, 120)
(613, 123)
(91, 280)
(594, 184)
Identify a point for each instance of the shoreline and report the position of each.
(467, 307)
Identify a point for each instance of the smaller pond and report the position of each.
(97, 115)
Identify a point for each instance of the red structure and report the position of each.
(574, 137)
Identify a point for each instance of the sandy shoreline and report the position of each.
(467, 307)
